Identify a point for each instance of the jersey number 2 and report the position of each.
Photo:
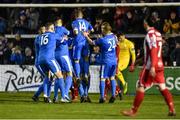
(112, 44)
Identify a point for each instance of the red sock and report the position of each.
(168, 98)
(138, 100)
(75, 90)
(117, 90)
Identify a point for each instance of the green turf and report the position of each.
(19, 105)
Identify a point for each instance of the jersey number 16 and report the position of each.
(44, 39)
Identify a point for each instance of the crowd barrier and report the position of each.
(27, 78)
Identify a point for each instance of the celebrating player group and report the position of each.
(65, 61)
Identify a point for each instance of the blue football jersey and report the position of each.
(70, 47)
(61, 30)
(81, 25)
(61, 45)
(37, 45)
(108, 48)
(47, 46)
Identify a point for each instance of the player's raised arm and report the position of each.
(90, 41)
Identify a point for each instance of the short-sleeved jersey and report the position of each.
(47, 46)
(61, 30)
(153, 50)
(108, 48)
(81, 25)
(37, 45)
(61, 45)
(125, 49)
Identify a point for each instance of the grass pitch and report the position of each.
(20, 106)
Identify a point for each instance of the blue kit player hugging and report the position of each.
(107, 46)
(81, 49)
(41, 88)
(62, 57)
(46, 58)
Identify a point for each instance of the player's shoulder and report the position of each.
(74, 22)
(128, 41)
(37, 38)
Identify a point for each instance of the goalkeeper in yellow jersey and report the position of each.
(125, 51)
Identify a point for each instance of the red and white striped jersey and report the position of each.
(153, 50)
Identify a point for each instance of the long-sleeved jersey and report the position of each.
(61, 45)
(153, 50)
(125, 49)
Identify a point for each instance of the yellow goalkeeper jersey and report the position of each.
(125, 50)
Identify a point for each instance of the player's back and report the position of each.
(61, 30)
(47, 46)
(61, 44)
(108, 46)
(153, 40)
(81, 25)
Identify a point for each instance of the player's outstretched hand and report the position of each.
(131, 68)
(86, 34)
(65, 37)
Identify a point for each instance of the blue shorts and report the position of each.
(80, 50)
(107, 70)
(40, 70)
(50, 65)
(65, 63)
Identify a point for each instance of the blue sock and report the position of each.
(86, 68)
(39, 91)
(68, 84)
(49, 88)
(85, 87)
(77, 69)
(88, 86)
(80, 89)
(61, 86)
(102, 87)
(45, 85)
(113, 87)
(56, 86)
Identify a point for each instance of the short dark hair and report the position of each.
(120, 33)
(58, 18)
(78, 12)
(107, 26)
(48, 25)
